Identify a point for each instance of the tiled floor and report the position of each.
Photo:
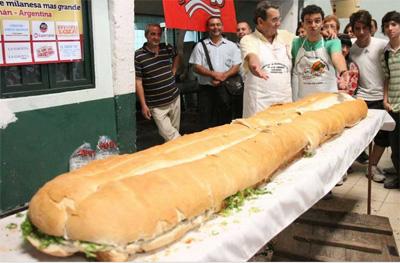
(352, 196)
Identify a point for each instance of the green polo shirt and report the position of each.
(332, 46)
(394, 81)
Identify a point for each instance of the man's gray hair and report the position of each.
(147, 28)
(261, 10)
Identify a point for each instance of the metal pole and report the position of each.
(369, 179)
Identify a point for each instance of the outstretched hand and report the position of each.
(258, 72)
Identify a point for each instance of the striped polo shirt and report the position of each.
(155, 70)
(394, 81)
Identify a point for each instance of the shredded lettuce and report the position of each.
(234, 202)
(28, 229)
(309, 154)
(90, 248)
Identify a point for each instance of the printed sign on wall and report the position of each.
(18, 53)
(16, 30)
(45, 51)
(70, 50)
(67, 30)
(42, 28)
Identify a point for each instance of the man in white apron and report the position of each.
(267, 62)
(318, 64)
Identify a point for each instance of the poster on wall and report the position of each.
(17, 53)
(67, 30)
(43, 30)
(40, 31)
(69, 50)
(16, 30)
(45, 51)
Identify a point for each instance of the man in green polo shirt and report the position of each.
(317, 63)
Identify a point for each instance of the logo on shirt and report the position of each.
(276, 68)
(192, 6)
(316, 69)
(228, 62)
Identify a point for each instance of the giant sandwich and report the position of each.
(114, 208)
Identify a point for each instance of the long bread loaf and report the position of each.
(140, 202)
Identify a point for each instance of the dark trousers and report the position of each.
(394, 141)
(237, 106)
(382, 137)
(214, 109)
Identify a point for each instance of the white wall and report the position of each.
(122, 39)
(377, 8)
(103, 71)
(289, 10)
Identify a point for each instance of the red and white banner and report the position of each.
(193, 14)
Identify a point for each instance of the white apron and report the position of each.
(313, 72)
(259, 94)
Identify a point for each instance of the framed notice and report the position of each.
(43, 30)
(69, 50)
(18, 53)
(67, 30)
(45, 51)
(16, 30)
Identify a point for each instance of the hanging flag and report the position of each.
(193, 14)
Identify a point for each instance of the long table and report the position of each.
(240, 234)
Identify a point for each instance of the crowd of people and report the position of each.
(277, 66)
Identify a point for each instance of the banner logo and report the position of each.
(193, 14)
(191, 6)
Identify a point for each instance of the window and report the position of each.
(172, 35)
(29, 80)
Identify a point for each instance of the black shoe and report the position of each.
(363, 158)
(391, 183)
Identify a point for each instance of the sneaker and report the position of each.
(340, 183)
(377, 174)
(391, 184)
(363, 158)
(344, 178)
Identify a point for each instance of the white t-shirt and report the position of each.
(371, 81)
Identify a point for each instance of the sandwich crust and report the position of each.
(143, 201)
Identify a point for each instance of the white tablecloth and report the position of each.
(239, 236)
